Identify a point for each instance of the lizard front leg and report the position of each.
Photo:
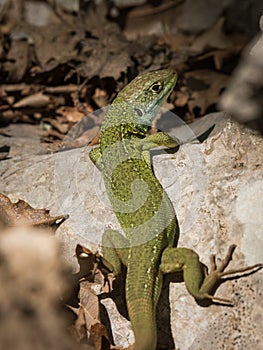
(155, 140)
(198, 282)
(158, 139)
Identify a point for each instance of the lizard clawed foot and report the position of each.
(217, 272)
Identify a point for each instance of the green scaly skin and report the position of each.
(143, 208)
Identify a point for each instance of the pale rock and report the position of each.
(217, 190)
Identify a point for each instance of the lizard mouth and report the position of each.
(170, 84)
(168, 87)
(157, 100)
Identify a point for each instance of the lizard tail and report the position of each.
(143, 323)
(142, 298)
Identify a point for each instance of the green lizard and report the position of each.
(143, 208)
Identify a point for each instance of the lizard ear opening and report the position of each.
(138, 111)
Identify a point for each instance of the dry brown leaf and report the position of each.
(92, 276)
(91, 269)
(53, 134)
(37, 100)
(177, 41)
(219, 56)
(205, 87)
(89, 302)
(212, 38)
(99, 337)
(181, 98)
(17, 59)
(88, 263)
(59, 125)
(89, 318)
(21, 213)
(71, 114)
(88, 136)
(100, 97)
(78, 329)
(95, 140)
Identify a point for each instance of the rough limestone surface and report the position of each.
(217, 190)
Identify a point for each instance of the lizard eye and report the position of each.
(156, 87)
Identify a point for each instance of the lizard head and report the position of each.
(146, 93)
